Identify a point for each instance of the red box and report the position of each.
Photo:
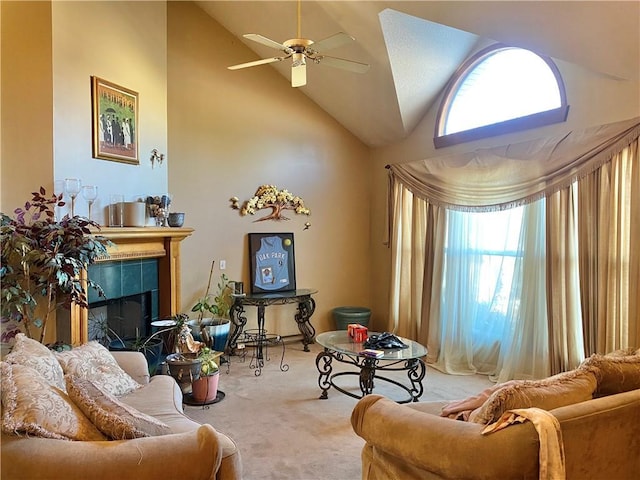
(357, 333)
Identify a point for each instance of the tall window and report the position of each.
(500, 90)
(491, 258)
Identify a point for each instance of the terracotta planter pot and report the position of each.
(205, 389)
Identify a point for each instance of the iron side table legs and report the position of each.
(305, 309)
(238, 320)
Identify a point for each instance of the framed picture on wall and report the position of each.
(272, 262)
(115, 122)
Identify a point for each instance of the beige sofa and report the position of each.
(191, 451)
(600, 436)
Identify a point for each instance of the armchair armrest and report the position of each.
(441, 446)
(134, 363)
(196, 454)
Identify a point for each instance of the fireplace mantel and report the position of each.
(130, 243)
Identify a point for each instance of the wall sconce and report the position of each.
(156, 156)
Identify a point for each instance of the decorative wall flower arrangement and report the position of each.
(270, 196)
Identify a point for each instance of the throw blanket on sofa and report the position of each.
(551, 455)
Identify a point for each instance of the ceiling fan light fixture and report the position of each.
(298, 59)
(299, 75)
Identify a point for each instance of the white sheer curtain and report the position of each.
(493, 305)
(524, 347)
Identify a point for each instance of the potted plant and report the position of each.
(205, 388)
(151, 347)
(42, 259)
(170, 327)
(214, 330)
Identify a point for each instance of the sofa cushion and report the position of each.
(93, 362)
(616, 372)
(32, 353)
(33, 407)
(115, 419)
(557, 391)
(161, 398)
(623, 352)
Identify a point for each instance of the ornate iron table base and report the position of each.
(368, 367)
(259, 342)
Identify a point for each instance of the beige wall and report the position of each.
(26, 102)
(124, 43)
(50, 50)
(230, 132)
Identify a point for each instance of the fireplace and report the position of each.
(141, 280)
(131, 300)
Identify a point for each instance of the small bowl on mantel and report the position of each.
(176, 219)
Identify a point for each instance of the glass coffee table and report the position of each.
(338, 346)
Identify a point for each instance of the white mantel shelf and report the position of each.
(131, 243)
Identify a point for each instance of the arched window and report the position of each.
(500, 90)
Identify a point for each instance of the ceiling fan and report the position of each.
(302, 49)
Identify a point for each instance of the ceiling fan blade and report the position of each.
(265, 41)
(256, 63)
(299, 75)
(333, 41)
(336, 62)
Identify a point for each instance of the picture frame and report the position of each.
(114, 122)
(272, 262)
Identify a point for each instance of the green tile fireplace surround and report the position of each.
(143, 259)
(125, 278)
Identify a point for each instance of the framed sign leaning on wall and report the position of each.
(115, 122)
(272, 262)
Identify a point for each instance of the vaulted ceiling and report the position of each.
(414, 47)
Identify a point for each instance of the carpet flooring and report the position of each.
(285, 432)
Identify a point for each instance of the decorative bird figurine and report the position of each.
(235, 203)
(306, 226)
